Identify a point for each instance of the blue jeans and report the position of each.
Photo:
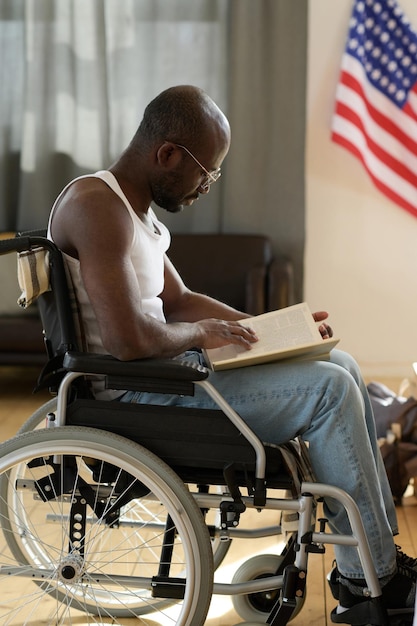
(326, 403)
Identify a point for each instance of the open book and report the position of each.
(283, 334)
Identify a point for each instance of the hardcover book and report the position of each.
(289, 333)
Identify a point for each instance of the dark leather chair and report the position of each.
(238, 269)
(20, 330)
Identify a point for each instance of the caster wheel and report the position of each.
(255, 607)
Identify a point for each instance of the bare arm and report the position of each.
(92, 224)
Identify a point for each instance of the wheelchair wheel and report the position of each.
(212, 520)
(101, 525)
(38, 418)
(255, 607)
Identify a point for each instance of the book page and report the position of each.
(280, 331)
(294, 326)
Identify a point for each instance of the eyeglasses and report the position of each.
(211, 177)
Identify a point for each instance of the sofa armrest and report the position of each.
(255, 290)
(280, 284)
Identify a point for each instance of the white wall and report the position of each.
(361, 255)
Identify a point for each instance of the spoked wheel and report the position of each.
(213, 520)
(220, 548)
(100, 525)
(255, 607)
(38, 418)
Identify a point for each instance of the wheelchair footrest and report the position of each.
(293, 588)
(166, 587)
(368, 612)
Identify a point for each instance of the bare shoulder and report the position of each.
(90, 214)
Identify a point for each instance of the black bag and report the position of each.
(396, 426)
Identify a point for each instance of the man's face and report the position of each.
(171, 192)
(183, 184)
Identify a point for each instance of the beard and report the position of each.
(165, 195)
(169, 195)
(170, 206)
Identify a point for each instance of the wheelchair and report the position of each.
(112, 510)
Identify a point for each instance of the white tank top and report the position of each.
(147, 254)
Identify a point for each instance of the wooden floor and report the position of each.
(17, 403)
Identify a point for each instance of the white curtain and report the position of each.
(75, 76)
(264, 183)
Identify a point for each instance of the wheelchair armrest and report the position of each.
(168, 369)
(24, 242)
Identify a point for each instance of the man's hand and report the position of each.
(325, 330)
(216, 333)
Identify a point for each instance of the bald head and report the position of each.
(182, 114)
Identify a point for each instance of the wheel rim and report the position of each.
(94, 579)
(257, 606)
(264, 601)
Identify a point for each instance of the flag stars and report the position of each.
(380, 71)
(381, 40)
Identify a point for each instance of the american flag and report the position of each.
(376, 100)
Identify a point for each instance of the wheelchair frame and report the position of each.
(101, 469)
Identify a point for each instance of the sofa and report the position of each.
(238, 269)
(21, 340)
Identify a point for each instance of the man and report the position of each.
(135, 305)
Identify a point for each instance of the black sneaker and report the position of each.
(406, 561)
(333, 578)
(398, 596)
(403, 560)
